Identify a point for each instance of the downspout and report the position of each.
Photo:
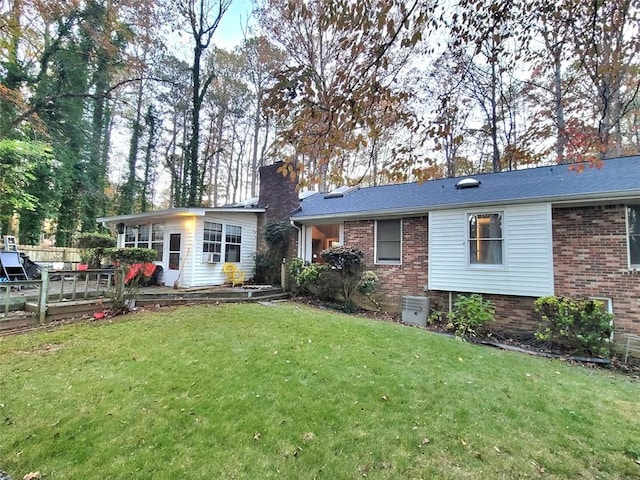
(300, 246)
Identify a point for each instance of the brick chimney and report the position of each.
(277, 193)
(279, 197)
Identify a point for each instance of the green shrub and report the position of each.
(308, 278)
(579, 325)
(346, 263)
(295, 269)
(469, 315)
(94, 247)
(123, 258)
(367, 286)
(346, 259)
(266, 269)
(89, 240)
(129, 256)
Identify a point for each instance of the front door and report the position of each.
(175, 266)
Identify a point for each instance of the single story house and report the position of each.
(192, 244)
(512, 236)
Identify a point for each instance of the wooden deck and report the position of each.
(67, 304)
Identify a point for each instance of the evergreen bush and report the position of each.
(579, 325)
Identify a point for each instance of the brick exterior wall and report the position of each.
(395, 280)
(514, 315)
(590, 259)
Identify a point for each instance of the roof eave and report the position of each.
(422, 210)
(175, 212)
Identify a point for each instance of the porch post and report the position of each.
(283, 275)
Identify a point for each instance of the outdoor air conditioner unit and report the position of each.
(415, 310)
(213, 258)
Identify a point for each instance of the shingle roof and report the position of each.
(618, 178)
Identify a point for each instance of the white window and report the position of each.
(145, 236)
(233, 241)
(485, 238)
(633, 231)
(157, 239)
(220, 238)
(388, 241)
(212, 242)
(129, 237)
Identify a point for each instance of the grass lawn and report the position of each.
(287, 391)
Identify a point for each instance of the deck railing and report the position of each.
(75, 284)
(55, 285)
(7, 304)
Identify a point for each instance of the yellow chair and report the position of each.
(234, 275)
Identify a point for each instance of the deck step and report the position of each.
(166, 301)
(73, 308)
(15, 323)
(61, 310)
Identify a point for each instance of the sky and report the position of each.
(229, 34)
(230, 30)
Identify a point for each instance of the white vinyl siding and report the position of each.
(211, 273)
(527, 267)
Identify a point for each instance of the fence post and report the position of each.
(44, 295)
(118, 294)
(7, 299)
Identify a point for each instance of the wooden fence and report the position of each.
(49, 255)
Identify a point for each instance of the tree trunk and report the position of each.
(150, 121)
(256, 132)
(127, 201)
(194, 199)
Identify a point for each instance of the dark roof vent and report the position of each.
(467, 183)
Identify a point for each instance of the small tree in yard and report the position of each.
(346, 262)
(124, 259)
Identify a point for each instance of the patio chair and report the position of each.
(12, 266)
(235, 276)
